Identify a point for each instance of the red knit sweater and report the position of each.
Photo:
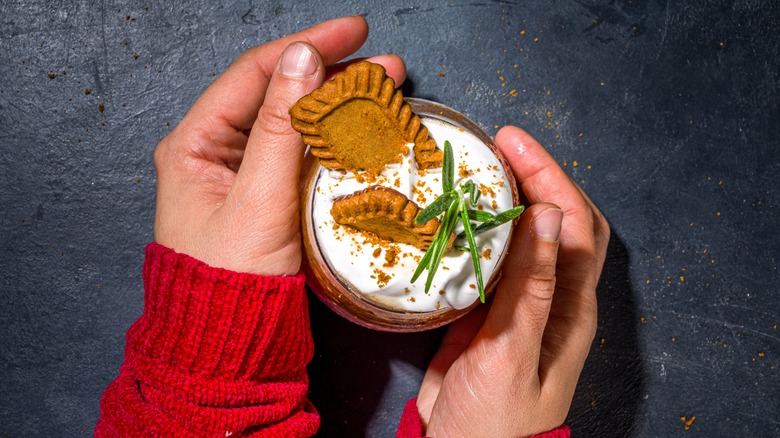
(218, 353)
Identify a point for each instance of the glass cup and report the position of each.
(340, 294)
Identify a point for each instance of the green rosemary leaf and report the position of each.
(448, 168)
(474, 195)
(435, 208)
(451, 219)
(470, 189)
(501, 218)
(453, 204)
(441, 238)
(481, 228)
(423, 262)
(473, 251)
(481, 216)
(506, 216)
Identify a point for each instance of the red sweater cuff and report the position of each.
(215, 352)
(411, 425)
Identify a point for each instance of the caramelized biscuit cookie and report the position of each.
(385, 212)
(359, 122)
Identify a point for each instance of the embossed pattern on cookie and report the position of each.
(359, 122)
(385, 212)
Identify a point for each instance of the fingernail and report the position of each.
(548, 224)
(298, 61)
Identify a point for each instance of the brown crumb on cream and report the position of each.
(381, 278)
(420, 196)
(391, 256)
(487, 190)
(463, 171)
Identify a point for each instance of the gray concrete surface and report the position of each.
(667, 113)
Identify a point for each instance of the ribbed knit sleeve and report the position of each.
(411, 425)
(215, 353)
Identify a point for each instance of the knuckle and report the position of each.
(605, 232)
(588, 258)
(541, 288)
(542, 271)
(540, 280)
(161, 153)
(534, 277)
(274, 121)
(591, 327)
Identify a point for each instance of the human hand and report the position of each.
(511, 369)
(228, 174)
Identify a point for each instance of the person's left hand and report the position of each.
(228, 174)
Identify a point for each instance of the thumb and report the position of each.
(263, 200)
(524, 294)
(274, 151)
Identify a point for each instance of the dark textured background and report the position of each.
(667, 113)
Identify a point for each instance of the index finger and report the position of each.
(540, 177)
(236, 96)
(542, 180)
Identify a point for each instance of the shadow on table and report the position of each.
(609, 394)
(360, 379)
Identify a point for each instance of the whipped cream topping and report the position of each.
(381, 270)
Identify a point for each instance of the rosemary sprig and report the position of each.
(455, 206)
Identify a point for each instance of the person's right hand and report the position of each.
(510, 370)
(228, 175)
